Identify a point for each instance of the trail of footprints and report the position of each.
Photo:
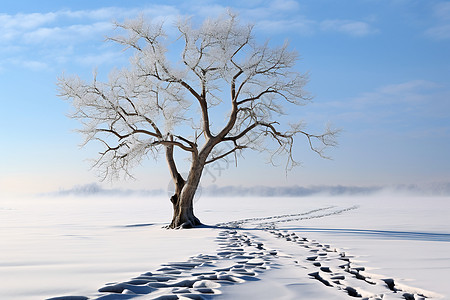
(271, 222)
(239, 259)
(330, 267)
(336, 269)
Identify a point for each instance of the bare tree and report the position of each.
(161, 103)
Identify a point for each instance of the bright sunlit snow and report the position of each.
(67, 246)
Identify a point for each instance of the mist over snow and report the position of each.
(94, 189)
(431, 189)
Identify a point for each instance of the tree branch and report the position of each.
(237, 147)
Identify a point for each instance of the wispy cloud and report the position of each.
(284, 5)
(11, 25)
(68, 33)
(59, 31)
(33, 65)
(100, 58)
(442, 10)
(301, 26)
(408, 109)
(285, 16)
(349, 27)
(35, 35)
(408, 88)
(441, 30)
(44, 27)
(409, 92)
(414, 92)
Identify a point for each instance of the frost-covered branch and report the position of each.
(222, 156)
(152, 104)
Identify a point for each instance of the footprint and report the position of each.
(325, 269)
(244, 272)
(352, 292)
(206, 284)
(255, 262)
(317, 276)
(69, 298)
(120, 287)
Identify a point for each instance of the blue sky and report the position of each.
(379, 70)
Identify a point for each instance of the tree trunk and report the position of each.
(183, 201)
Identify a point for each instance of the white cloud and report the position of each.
(210, 10)
(34, 65)
(43, 38)
(284, 5)
(407, 109)
(412, 95)
(442, 10)
(25, 21)
(21, 27)
(301, 26)
(12, 26)
(352, 28)
(112, 13)
(286, 15)
(440, 31)
(51, 34)
(413, 86)
(97, 14)
(29, 64)
(69, 33)
(96, 59)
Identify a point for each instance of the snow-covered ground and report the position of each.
(265, 248)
